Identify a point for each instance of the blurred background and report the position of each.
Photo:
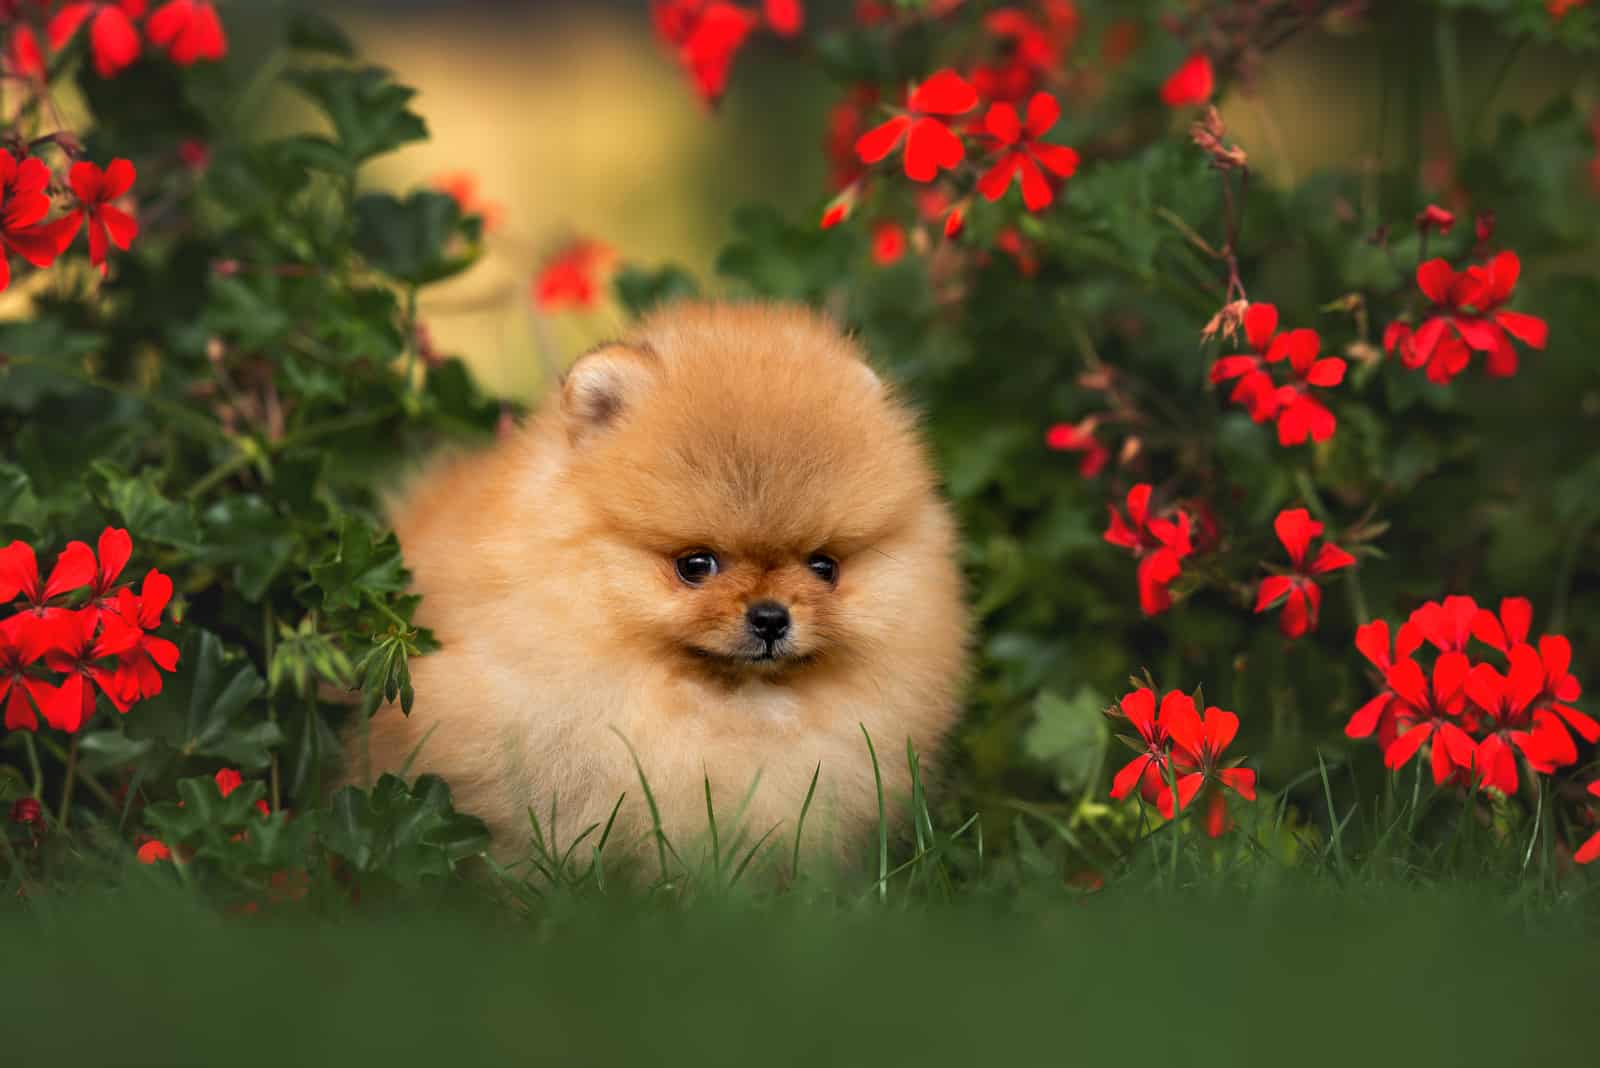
(574, 121)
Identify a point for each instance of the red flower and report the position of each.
(840, 207)
(1198, 746)
(1192, 83)
(1372, 639)
(1590, 850)
(1467, 305)
(143, 662)
(568, 279)
(95, 191)
(1021, 154)
(1255, 389)
(1148, 770)
(1064, 437)
(707, 35)
(83, 646)
(153, 851)
(1295, 529)
(1302, 416)
(113, 42)
(22, 693)
(228, 780)
(930, 145)
(1159, 544)
(1514, 724)
(1433, 217)
(189, 30)
(888, 243)
(1447, 624)
(1559, 9)
(1560, 687)
(195, 154)
(24, 57)
(1422, 712)
(23, 206)
(26, 810)
(19, 573)
(786, 17)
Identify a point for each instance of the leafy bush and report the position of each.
(1059, 249)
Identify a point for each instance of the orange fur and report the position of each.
(546, 565)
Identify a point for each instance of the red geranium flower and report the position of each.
(1560, 687)
(1433, 217)
(19, 573)
(930, 145)
(1469, 303)
(1447, 624)
(1372, 639)
(1192, 83)
(1198, 746)
(24, 57)
(1021, 154)
(228, 780)
(143, 662)
(86, 640)
(95, 190)
(1514, 724)
(152, 851)
(707, 35)
(1255, 389)
(1148, 770)
(888, 243)
(1422, 712)
(569, 278)
(1590, 850)
(22, 693)
(189, 30)
(113, 42)
(1159, 544)
(1302, 416)
(1295, 529)
(786, 17)
(1064, 437)
(846, 121)
(23, 206)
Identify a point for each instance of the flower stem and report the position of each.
(33, 765)
(65, 812)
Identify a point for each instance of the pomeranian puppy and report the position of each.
(718, 551)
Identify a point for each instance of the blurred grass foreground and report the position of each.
(1287, 977)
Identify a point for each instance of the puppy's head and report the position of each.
(757, 496)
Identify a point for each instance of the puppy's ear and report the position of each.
(603, 384)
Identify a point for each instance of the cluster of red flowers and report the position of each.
(1560, 9)
(81, 626)
(1489, 695)
(1468, 315)
(25, 201)
(707, 35)
(188, 31)
(1287, 398)
(1180, 750)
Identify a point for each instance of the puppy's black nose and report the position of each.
(769, 620)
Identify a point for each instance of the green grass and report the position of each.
(1291, 976)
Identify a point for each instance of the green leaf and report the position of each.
(368, 110)
(243, 531)
(204, 709)
(406, 834)
(411, 240)
(1070, 736)
(142, 508)
(643, 288)
(311, 31)
(365, 565)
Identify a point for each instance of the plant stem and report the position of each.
(34, 765)
(65, 812)
(267, 626)
(89, 781)
(219, 474)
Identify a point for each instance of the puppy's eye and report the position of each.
(824, 567)
(694, 568)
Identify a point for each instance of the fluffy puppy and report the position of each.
(721, 542)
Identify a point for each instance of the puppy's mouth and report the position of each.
(769, 656)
